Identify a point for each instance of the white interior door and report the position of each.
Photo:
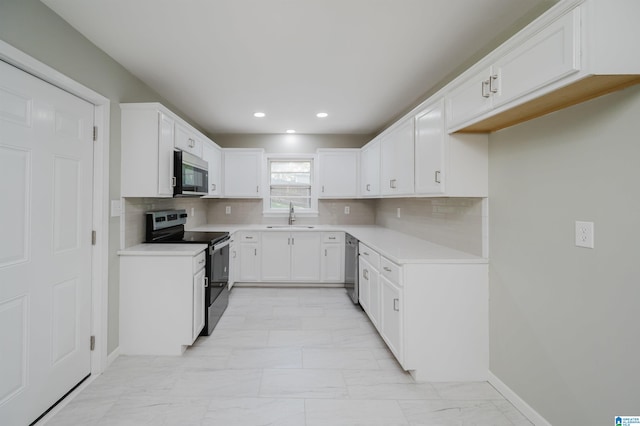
(46, 172)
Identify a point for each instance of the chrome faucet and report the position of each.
(292, 214)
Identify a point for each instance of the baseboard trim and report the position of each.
(531, 414)
(113, 355)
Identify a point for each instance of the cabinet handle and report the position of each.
(368, 187)
(322, 188)
(201, 262)
(437, 176)
(206, 282)
(332, 238)
(387, 269)
(234, 254)
(395, 305)
(192, 142)
(365, 253)
(293, 241)
(392, 183)
(248, 237)
(365, 274)
(213, 186)
(493, 83)
(255, 251)
(485, 89)
(173, 182)
(257, 188)
(325, 252)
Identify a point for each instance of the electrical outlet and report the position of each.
(193, 211)
(227, 210)
(398, 213)
(347, 210)
(584, 234)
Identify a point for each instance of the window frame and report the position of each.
(267, 211)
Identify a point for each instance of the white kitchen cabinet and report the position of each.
(448, 165)
(249, 257)
(546, 57)
(369, 286)
(338, 173)
(147, 134)
(234, 263)
(212, 154)
(397, 174)
(332, 257)
(370, 169)
(187, 140)
(291, 256)
(305, 256)
(242, 172)
(198, 303)
(161, 301)
(276, 257)
(432, 316)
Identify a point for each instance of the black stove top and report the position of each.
(168, 227)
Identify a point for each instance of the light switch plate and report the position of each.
(227, 210)
(347, 210)
(584, 234)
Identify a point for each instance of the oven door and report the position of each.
(191, 175)
(218, 272)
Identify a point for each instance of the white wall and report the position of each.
(564, 324)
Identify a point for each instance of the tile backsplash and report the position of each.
(452, 222)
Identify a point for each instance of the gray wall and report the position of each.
(36, 30)
(291, 143)
(564, 325)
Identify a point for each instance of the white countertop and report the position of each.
(163, 250)
(395, 246)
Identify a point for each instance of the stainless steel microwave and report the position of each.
(190, 175)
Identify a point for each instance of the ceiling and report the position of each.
(363, 62)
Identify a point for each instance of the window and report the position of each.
(290, 181)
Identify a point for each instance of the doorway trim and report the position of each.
(100, 251)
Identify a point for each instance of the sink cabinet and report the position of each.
(291, 256)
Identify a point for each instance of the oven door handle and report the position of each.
(219, 246)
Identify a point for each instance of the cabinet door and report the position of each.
(548, 56)
(375, 295)
(391, 308)
(186, 140)
(234, 265)
(242, 173)
(364, 285)
(429, 150)
(198, 303)
(332, 262)
(305, 256)
(338, 173)
(469, 98)
(249, 262)
(397, 160)
(165, 155)
(370, 169)
(276, 256)
(213, 156)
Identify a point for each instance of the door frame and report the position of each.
(100, 220)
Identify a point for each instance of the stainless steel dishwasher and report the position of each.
(351, 267)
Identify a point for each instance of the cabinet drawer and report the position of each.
(249, 237)
(199, 261)
(371, 255)
(390, 270)
(333, 237)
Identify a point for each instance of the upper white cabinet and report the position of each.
(448, 165)
(577, 50)
(147, 151)
(150, 133)
(187, 140)
(242, 172)
(212, 154)
(370, 169)
(397, 159)
(338, 173)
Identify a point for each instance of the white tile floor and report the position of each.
(282, 356)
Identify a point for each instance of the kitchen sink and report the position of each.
(290, 226)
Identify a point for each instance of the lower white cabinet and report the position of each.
(161, 302)
(233, 262)
(432, 316)
(332, 257)
(249, 257)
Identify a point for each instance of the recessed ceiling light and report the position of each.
(322, 115)
(291, 131)
(259, 114)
